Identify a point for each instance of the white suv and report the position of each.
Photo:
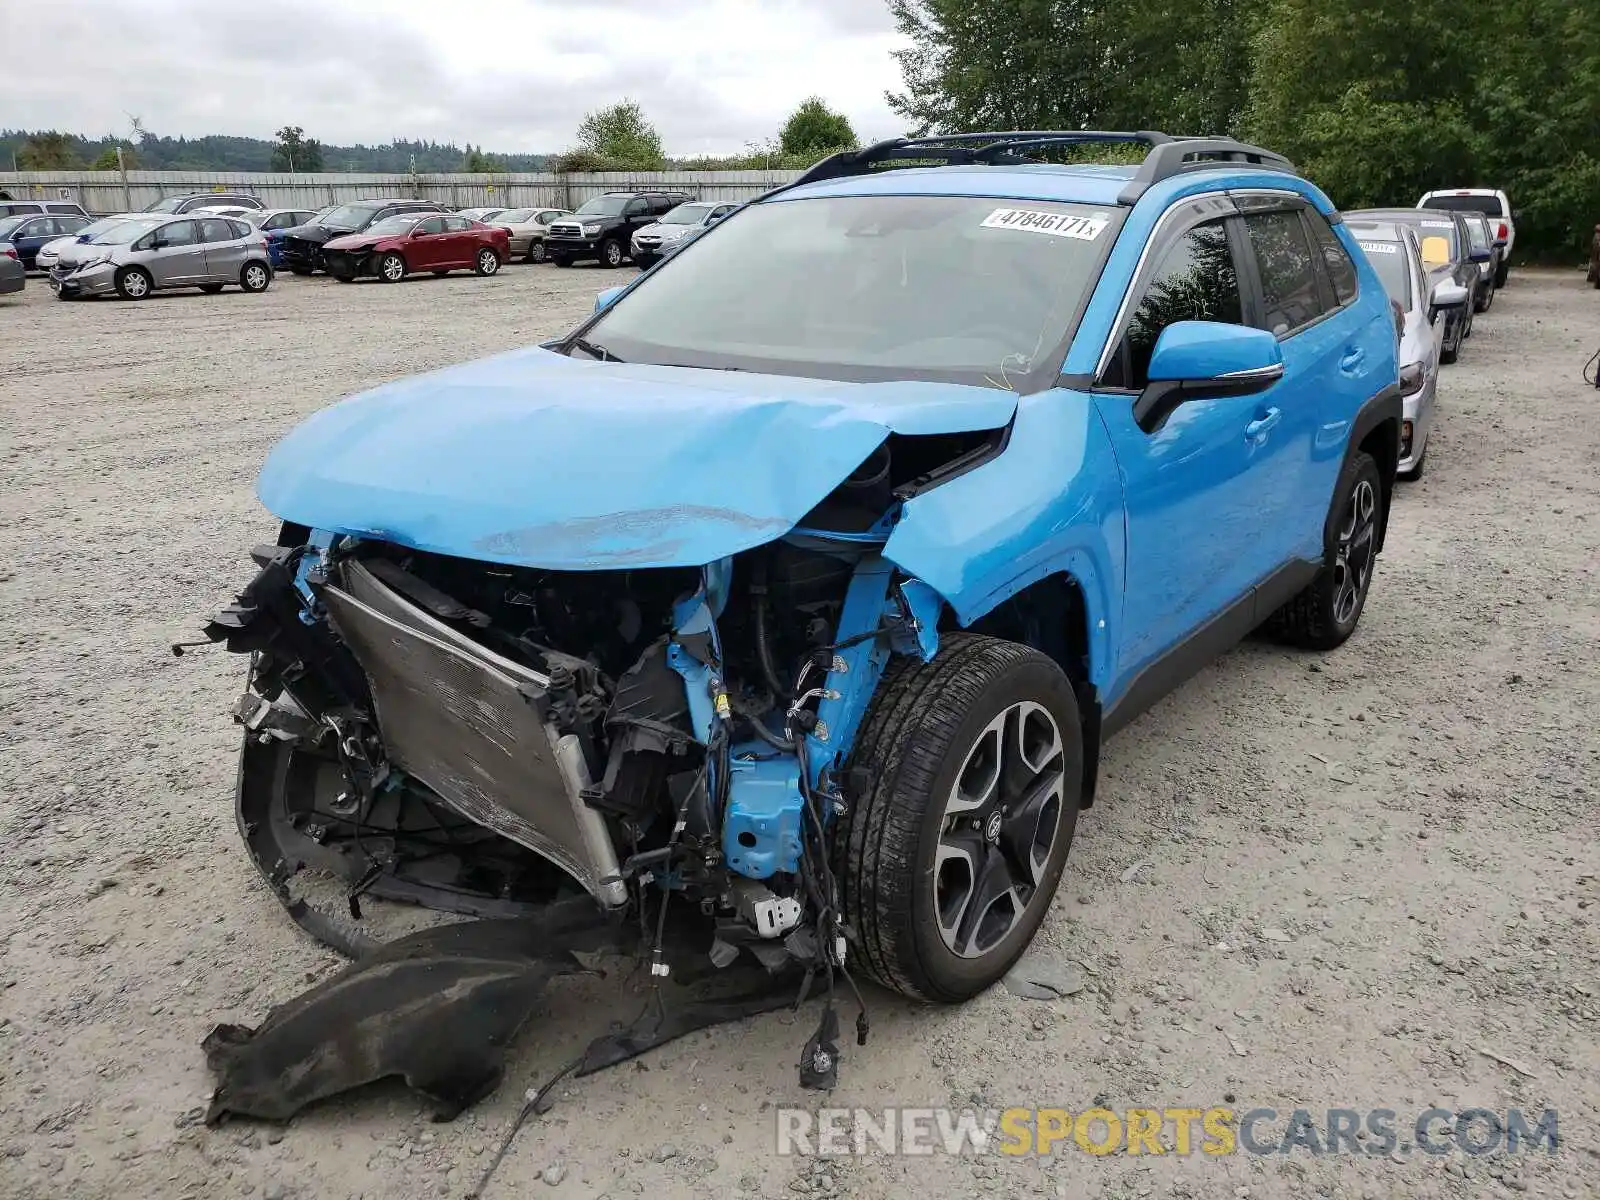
(1495, 205)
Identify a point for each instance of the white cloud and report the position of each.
(514, 76)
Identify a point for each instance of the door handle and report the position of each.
(1352, 360)
(1262, 425)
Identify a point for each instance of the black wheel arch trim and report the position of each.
(1384, 407)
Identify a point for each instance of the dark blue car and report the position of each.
(275, 222)
(22, 237)
(803, 581)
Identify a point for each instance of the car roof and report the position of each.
(1374, 230)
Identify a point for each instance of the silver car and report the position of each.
(655, 241)
(528, 227)
(148, 253)
(1421, 299)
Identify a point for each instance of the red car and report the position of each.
(405, 243)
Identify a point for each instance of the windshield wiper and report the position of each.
(593, 350)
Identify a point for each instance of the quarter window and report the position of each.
(1341, 271)
(1196, 280)
(457, 224)
(1288, 272)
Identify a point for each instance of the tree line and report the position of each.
(1377, 103)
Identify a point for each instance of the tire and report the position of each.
(134, 283)
(536, 252)
(1483, 298)
(1324, 614)
(901, 882)
(345, 278)
(1502, 275)
(211, 289)
(296, 270)
(392, 268)
(487, 262)
(255, 277)
(1451, 350)
(612, 252)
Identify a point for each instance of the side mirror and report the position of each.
(1479, 256)
(605, 298)
(158, 243)
(1447, 293)
(1193, 360)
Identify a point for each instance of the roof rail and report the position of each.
(1168, 155)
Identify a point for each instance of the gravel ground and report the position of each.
(1362, 876)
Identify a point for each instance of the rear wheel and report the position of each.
(211, 289)
(134, 283)
(1325, 613)
(536, 252)
(488, 261)
(949, 862)
(391, 268)
(297, 270)
(345, 278)
(255, 276)
(1502, 274)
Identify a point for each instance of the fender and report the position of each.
(1051, 504)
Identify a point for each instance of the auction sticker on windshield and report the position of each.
(1054, 223)
(1380, 247)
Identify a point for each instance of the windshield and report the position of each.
(1438, 237)
(960, 289)
(127, 231)
(7, 224)
(93, 230)
(347, 217)
(603, 206)
(1388, 259)
(401, 223)
(517, 216)
(687, 214)
(1489, 206)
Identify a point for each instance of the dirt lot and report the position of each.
(1363, 876)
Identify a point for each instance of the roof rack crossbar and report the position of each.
(1167, 156)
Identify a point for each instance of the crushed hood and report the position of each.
(535, 459)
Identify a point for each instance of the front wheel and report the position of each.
(611, 253)
(536, 252)
(255, 276)
(134, 283)
(1451, 350)
(1325, 612)
(949, 862)
(1502, 275)
(391, 268)
(488, 261)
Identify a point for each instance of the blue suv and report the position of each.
(804, 580)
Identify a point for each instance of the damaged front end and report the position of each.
(495, 739)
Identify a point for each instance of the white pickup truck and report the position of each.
(1495, 205)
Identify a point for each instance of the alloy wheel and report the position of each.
(137, 285)
(488, 262)
(394, 268)
(1352, 564)
(1000, 822)
(255, 278)
(536, 252)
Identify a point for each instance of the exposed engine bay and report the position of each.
(494, 740)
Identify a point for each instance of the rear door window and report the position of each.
(1288, 273)
(1341, 271)
(215, 229)
(1196, 280)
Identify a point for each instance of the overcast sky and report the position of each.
(510, 75)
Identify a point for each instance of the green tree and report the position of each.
(48, 151)
(814, 130)
(620, 135)
(106, 160)
(477, 162)
(293, 151)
